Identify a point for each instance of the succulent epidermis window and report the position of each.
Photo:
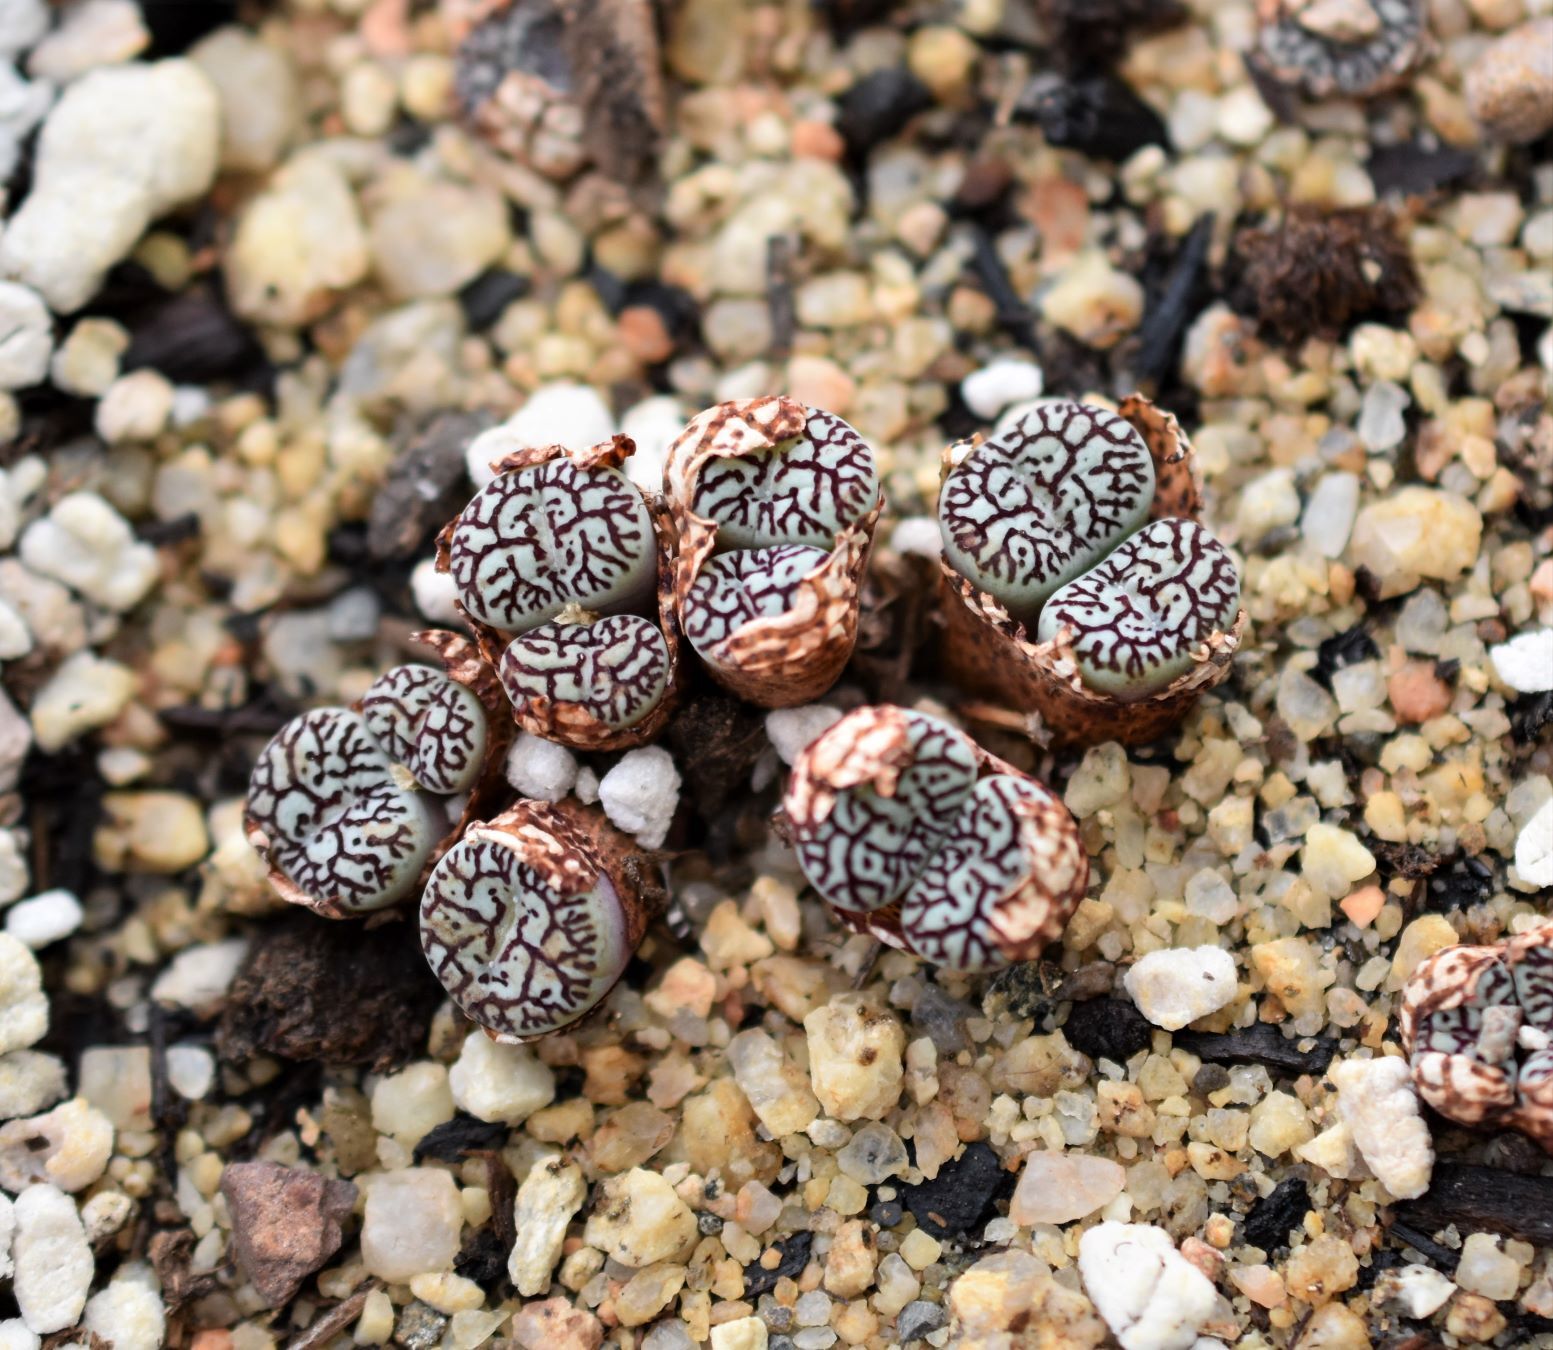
(350, 804)
(778, 515)
(950, 847)
(520, 953)
(536, 540)
(617, 668)
(1049, 519)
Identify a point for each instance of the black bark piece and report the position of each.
(1261, 1044)
(176, 27)
(795, 1256)
(1097, 115)
(191, 338)
(484, 299)
(1317, 274)
(722, 737)
(1342, 649)
(1268, 1223)
(482, 1258)
(338, 993)
(1030, 989)
(1468, 883)
(451, 1140)
(1167, 314)
(1108, 1028)
(1414, 170)
(781, 299)
(961, 1197)
(878, 106)
(1013, 314)
(424, 487)
(1090, 33)
(1405, 860)
(1484, 1199)
(1437, 1253)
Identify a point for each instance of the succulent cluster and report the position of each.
(1477, 1025)
(1352, 48)
(581, 590)
(915, 834)
(1079, 588)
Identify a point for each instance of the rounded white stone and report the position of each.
(44, 918)
(1525, 662)
(539, 769)
(1180, 984)
(53, 1261)
(556, 414)
(26, 336)
(999, 384)
(499, 1082)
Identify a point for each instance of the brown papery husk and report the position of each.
(572, 724)
(462, 662)
(991, 656)
(1028, 918)
(571, 845)
(791, 658)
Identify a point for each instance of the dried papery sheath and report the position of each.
(916, 835)
(1353, 48)
(349, 805)
(530, 920)
(557, 561)
(1477, 1026)
(1068, 700)
(1038, 504)
(797, 489)
(1133, 621)
(552, 529)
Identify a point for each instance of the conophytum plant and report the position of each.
(348, 806)
(1477, 1027)
(914, 834)
(1078, 588)
(775, 506)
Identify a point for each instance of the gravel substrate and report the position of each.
(267, 273)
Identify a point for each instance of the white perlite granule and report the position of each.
(1375, 1099)
(53, 1261)
(1150, 1295)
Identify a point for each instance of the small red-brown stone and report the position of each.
(285, 1224)
(1417, 694)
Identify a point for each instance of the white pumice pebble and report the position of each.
(30, 1081)
(434, 593)
(24, 1010)
(26, 336)
(1534, 848)
(1525, 662)
(128, 1314)
(790, 730)
(89, 546)
(53, 1261)
(641, 793)
(44, 918)
(1178, 985)
(540, 769)
(1376, 1100)
(1150, 1295)
(15, 1334)
(68, 1147)
(1000, 383)
(917, 536)
(555, 414)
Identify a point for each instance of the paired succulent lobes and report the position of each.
(915, 834)
(1078, 586)
(348, 805)
(530, 920)
(1477, 1026)
(775, 506)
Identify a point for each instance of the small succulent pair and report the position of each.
(1477, 1026)
(1078, 585)
(579, 587)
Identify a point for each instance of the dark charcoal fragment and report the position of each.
(1318, 274)
(1484, 1199)
(424, 487)
(482, 1258)
(1260, 1044)
(485, 298)
(1088, 33)
(961, 1197)
(795, 1256)
(1167, 314)
(338, 993)
(191, 338)
(1108, 1028)
(724, 737)
(1413, 170)
(1097, 115)
(1343, 649)
(1030, 989)
(1468, 883)
(175, 27)
(1404, 860)
(1013, 314)
(1270, 1219)
(1440, 1256)
(878, 106)
(1210, 1078)
(451, 1140)
(1529, 714)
